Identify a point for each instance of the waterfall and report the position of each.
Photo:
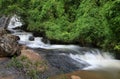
(14, 22)
(94, 58)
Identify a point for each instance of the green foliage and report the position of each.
(117, 47)
(16, 63)
(93, 26)
(85, 21)
(111, 12)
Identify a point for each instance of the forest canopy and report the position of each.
(95, 22)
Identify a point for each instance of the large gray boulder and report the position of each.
(8, 44)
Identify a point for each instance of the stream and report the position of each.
(68, 58)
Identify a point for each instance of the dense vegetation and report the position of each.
(95, 22)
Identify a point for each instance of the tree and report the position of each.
(69, 21)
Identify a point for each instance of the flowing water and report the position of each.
(68, 58)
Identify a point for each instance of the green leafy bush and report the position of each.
(84, 21)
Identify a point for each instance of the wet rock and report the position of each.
(8, 44)
(31, 38)
(64, 63)
(45, 40)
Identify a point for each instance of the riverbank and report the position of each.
(28, 65)
(14, 72)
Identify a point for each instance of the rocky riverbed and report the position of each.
(19, 62)
(45, 61)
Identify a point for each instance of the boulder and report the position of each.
(8, 44)
(34, 58)
(45, 40)
(31, 55)
(31, 38)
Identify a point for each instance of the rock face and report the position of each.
(8, 44)
(4, 21)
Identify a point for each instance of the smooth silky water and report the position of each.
(69, 58)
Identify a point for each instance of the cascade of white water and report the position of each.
(98, 61)
(95, 58)
(24, 36)
(14, 22)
